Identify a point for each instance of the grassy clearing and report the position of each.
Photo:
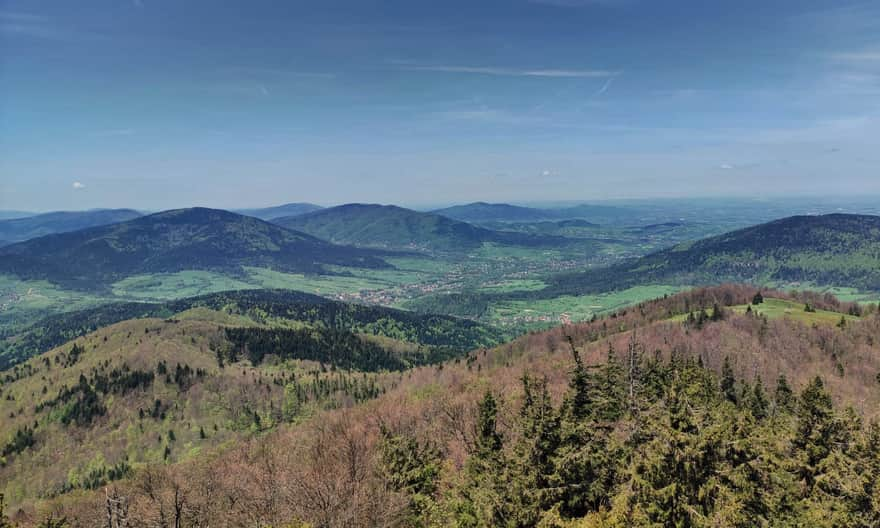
(852, 295)
(317, 284)
(490, 251)
(513, 285)
(776, 308)
(22, 302)
(548, 312)
(165, 286)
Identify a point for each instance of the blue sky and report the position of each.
(167, 103)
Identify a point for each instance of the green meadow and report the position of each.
(549, 312)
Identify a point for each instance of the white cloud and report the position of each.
(870, 55)
(725, 166)
(78, 185)
(512, 72)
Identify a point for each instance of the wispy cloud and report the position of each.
(866, 55)
(605, 86)
(77, 186)
(513, 72)
(111, 132)
(36, 26)
(28, 25)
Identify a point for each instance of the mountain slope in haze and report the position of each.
(8, 214)
(197, 238)
(479, 212)
(482, 213)
(19, 229)
(829, 250)
(278, 211)
(389, 226)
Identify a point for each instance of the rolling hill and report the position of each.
(392, 227)
(19, 229)
(183, 239)
(829, 250)
(278, 211)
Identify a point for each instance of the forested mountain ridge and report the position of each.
(392, 227)
(631, 420)
(265, 306)
(479, 212)
(196, 238)
(278, 211)
(19, 229)
(828, 250)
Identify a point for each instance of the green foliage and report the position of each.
(688, 456)
(411, 468)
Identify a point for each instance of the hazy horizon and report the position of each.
(154, 104)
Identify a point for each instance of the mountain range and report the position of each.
(182, 239)
(24, 228)
(278, 211)
(393, 227)
(827, 250)
(482, 212)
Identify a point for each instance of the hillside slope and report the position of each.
(480, 212)
(278, 211)
(392, 227)
(204, 239)
(829, 250)
(518, 429)
(162, 388)
(285, 306)
(19, 229)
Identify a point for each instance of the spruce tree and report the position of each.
(817, 431)
(784, 396)
(728, 381)
(758, 400)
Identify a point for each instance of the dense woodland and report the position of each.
(630, 420)
(263, 306)
(837, 250)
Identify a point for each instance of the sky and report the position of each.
(156, 104)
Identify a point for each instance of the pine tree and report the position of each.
(673, 476)
(717, 313)
(488, 440)
(579, 385)
(784, 396)
(532, 473)
(758, 403)
(758, 299)
(411, 468)
(728, 381)
(817, 431)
